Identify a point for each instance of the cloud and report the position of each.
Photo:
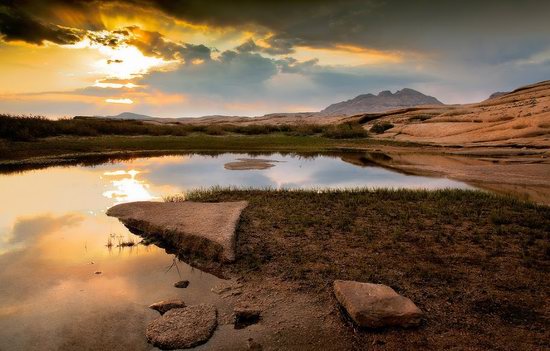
(231, 74)
(28, 230)
(18, 26)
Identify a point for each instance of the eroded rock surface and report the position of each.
(376, 305)
(200, 228)
(183, 328)
(166, 305)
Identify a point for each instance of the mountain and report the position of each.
(384, 101)
(520, 118)
(130, 115)
(498, 94)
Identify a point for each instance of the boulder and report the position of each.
(166, 305)
(245, 316)
(376, 305)
(207, 229)
(182, 328)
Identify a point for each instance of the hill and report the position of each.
(384, 101)
(520, 118)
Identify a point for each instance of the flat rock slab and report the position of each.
(376, 305)
(183, 328)
(243, 164)
(204, 228)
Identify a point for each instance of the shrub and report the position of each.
(380, 128)
(345, 131)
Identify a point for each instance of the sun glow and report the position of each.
(120, 101)
(126, 62)
(101, 84)
(127, 189)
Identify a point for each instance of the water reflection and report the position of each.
(54, 238)
(126, 187)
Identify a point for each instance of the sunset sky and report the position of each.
(191, 58)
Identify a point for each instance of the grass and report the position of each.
(29, 128)
(475, 262)
(118, 241)
(87, 150)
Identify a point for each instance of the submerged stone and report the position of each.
(182, 284)
(376, 305)
(243, 164)
(166, 305)
(182, 328)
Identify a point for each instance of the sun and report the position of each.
(126, 62)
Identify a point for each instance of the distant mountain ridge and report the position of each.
(131, 115)
(365, 103)
(384, 101)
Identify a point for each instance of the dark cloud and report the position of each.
(466, 30)
(19, 26)
(248, 46)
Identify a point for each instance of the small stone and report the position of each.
(181, 328)
(376, 305)
(182, 284)
(97, 272)
(253, 345)
(166, 305)
(245, 316)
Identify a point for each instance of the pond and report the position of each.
(65, 283)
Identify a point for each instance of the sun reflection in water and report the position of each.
(127, 188)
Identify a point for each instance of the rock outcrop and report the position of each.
(384, 101)
(207, 229)
(376, 305)
(183, 328)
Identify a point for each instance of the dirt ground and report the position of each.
(477, 265)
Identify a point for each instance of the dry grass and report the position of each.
(476, 263)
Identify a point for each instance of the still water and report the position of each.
(63, 288)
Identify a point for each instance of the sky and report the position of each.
(180, 58)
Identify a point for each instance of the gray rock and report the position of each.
(166, 305)
(182, 328)
(376, 305)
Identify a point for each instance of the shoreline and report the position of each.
(427, 245)
(520, 172)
